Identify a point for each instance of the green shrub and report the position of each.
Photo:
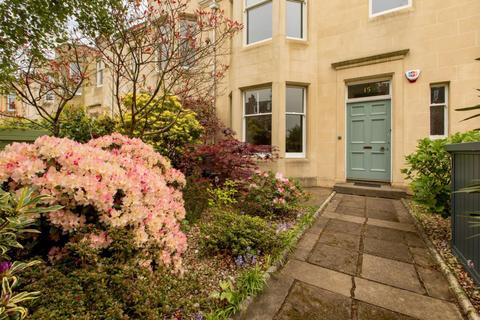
(237, 234)
(429, 169)
(78, 125)
(271, 195)
(169, 127)
(111, 290)
(75, 123)
(195, 195)
(224, 196)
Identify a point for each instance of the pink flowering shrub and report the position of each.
(270, 194)
(110, 184)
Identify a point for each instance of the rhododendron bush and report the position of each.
(111, 183)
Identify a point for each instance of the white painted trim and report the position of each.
(377, 98)
(445, 105)
(298, 155)
(370, 8)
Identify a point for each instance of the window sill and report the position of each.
(437, 137)
(391, 13)
(257, 44)
(298, 41)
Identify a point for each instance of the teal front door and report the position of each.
(368, 140)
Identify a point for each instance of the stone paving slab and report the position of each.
(345, 218)
(392, 225)
(269, 303)
(395, 273)
(386, 234)
(352, 211)
(310, 302)
(354, 267)
(339, 239)
(405, 302)
(305, 246)
(321, 277)
(388, 249)
(370, 312)
(435, 284)
(335, 258)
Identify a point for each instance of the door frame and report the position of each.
(369, 99)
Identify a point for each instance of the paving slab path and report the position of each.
(362, 260)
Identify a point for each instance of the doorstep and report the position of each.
(377, 191)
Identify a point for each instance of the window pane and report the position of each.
(295, 99)
(437, 120)
(385, 5)
(294, 128)
(294, 19)
(363, 90)
(258, 130)
(259, 23)
(265, 100)
(250, 102)
(438, 94)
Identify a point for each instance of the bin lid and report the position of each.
(461, 147)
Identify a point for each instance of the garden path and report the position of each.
(362, 260)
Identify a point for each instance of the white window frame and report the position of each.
(372, 15)
(445, 109)
(100, 70)
(298, 155)
(9, 102)
(304, 20)
(245, 116)
(245, 19)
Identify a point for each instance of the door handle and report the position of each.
(382, 149)
(367, 147)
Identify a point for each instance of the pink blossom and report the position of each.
(124, 180)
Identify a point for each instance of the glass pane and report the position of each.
(259, 23)
(294, 128)
(437, 95)
(295, 99)
(250, 102)
(258, 130)
(265, 100)
(294, 19)
(385, 5)
(437, 120)
(372, 89)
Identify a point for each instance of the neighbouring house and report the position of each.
(344, 89)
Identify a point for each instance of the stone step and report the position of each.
(380, 191)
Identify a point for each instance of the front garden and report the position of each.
(107, 228)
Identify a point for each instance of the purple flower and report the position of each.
(239, 261)
(198, 316)
(5, 266)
